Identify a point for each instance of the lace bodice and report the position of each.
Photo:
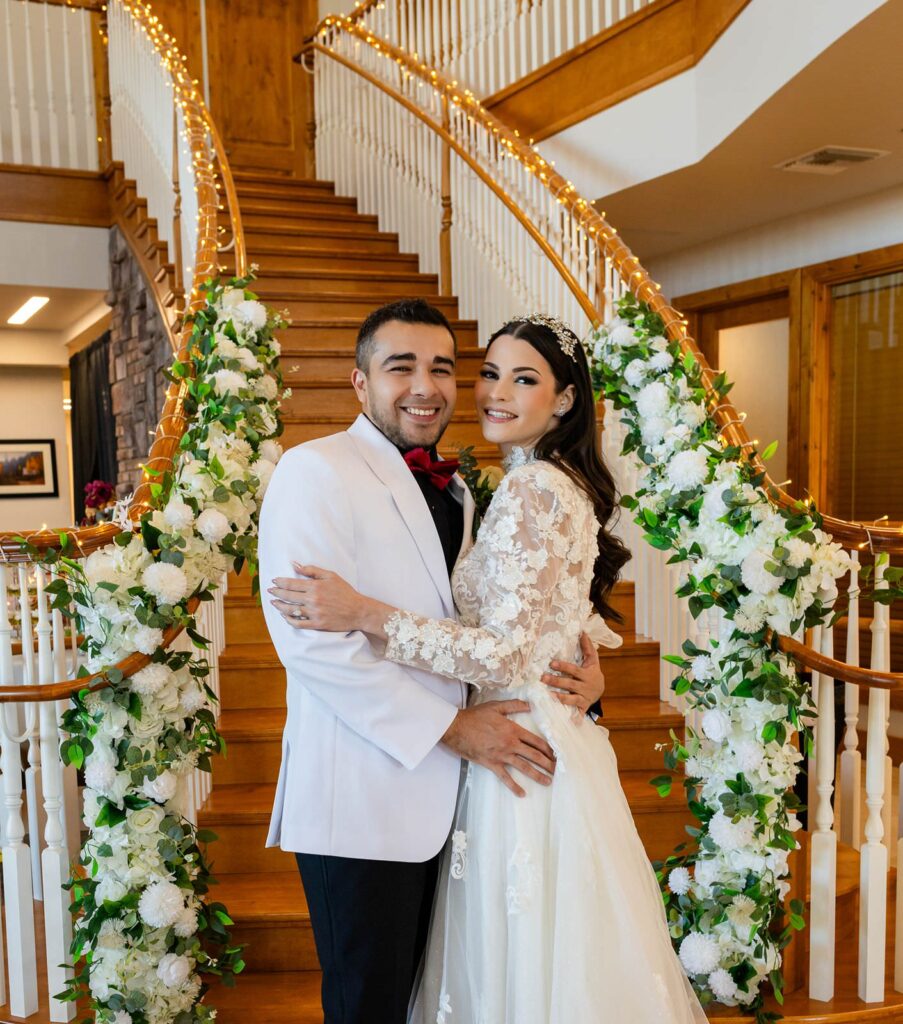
(522, 591)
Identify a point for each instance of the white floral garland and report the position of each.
(142, 897)
(767, 569)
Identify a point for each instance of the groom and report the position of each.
(372, 751)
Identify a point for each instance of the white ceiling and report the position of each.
(848, 96)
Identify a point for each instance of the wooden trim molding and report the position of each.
(648, 47)
(53, 195)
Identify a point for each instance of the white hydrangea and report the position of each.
(165, 582)
(212, 525)
(731, 835)
(702, 667)
(715, 724)
(161, 904)
(699, 953)
(162, 788)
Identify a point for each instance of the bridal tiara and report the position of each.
(566, 337)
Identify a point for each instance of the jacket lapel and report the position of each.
(386, 462)
(462, 493)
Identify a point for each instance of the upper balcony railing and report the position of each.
(486, 47)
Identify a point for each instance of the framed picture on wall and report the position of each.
(28, 469)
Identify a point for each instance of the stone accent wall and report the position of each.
(139, 352)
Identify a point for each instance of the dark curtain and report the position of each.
(93, 424)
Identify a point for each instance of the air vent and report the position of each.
(830, 160)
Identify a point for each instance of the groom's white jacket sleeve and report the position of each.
(307, 518)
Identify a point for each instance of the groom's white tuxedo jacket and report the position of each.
(363, 774)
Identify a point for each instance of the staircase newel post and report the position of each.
(102, 102)
(445, 251)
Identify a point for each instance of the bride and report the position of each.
(548, 911)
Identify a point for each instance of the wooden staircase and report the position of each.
(329, 266)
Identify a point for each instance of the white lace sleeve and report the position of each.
(525, 535)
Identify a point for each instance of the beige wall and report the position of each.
(755, 357)
(31, 408)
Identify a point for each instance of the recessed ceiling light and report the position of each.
(28, 309)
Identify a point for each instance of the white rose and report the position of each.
(212, 525)
(146, 820)
(148, 726)
(100, 567)
(173, 970)
(162, 788)
(109, 888)
(635, 373)
(231, 298)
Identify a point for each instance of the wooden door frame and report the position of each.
(807, 291)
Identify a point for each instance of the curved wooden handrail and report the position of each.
(10, 693)
(835, 669)
(608, 243)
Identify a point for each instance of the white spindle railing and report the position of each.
(489, 46)
(47, 109)
(41, 821)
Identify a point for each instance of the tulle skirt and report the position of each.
(547, 910)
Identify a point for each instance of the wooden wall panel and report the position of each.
(257, 93)
(49, 195)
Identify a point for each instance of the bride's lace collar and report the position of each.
(518, 457)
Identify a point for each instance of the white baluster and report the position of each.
(17, 884)
(823, 838)
(850, 758)
(54, 127)
(54, 859)
(34, 804)
(873, 863)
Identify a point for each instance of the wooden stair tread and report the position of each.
(351, 275)
(314, 231)
(639, 713)
(248, 802)
(285, 997)
(263, 896)
(252, 723)
(257, 655)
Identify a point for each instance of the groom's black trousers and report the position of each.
(370, 921)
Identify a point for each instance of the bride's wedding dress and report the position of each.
(547, 911)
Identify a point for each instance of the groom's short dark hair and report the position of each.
(408, 311)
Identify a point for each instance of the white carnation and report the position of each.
(173, 970)
(165, 582)
(265, 387)
(178, 514)
(162, 788)
(271, 450)
(716, 724)
(150, 680)
(654, 429)
(653, 400)
(798, 551)
(662, 361)
(252, 312)
(723, 986)
(699, 953)
(679, 881)
(658, 343)
(731, 835)
(187, 923)
(755, 576)
(101, 776)
(212, 525)
(228, 382)
(688, 469)
(192, 699)
(161, 904)
(692, 413)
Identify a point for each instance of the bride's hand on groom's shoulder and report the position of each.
(319, 599)
(579, 686)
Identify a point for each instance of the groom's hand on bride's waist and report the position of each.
(487, 736)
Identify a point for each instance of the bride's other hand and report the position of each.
(319, 600)
(583, 684)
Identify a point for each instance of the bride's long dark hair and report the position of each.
(573, 446)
